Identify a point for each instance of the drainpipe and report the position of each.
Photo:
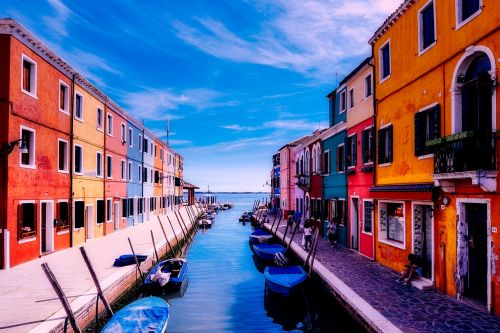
(374, 172)
(3, 205)
(71, 148)
(104, 169)
(142, 178)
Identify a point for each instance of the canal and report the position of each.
(225, 292)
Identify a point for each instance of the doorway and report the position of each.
(47, 226)
(355, 223)
(89, 213)
(476, 279)
(116, 215)
(423, 238)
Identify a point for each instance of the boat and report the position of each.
(259, 236)
(267, 251)
(149, 314)
(245, 217)
(128, 259)
(211, 215)
(284, 281)
(205, 223)
(167, 275)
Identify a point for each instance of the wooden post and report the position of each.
(277, 226)
(166, 237)
(100, 293)
(274, 221)
(315, 245)
(62, 297)
(286, 231)
(316, 232)
(136, 260)
(176, 239)
(293, 234)
(186, 236)
(154, 246)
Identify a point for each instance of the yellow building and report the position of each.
(435, 71)
(88, 161)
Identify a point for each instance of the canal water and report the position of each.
(226, 291)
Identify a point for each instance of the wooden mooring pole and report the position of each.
(186, 236)
(62, 297)
(166, 237)
(100, 293)
(176, 239)
(154, 246)
(136, 260)
(315, 246)
(297, 223)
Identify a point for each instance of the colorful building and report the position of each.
(275, 182)
(435, 125)
(359, 152)
(313, 171)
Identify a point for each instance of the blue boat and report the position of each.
(267, 251)
(155, 284)
(259, 236)
(284, 280)
(149, 314)
(128, 259)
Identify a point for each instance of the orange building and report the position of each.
(436, 115)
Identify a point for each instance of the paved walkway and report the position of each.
(27, 300)
(409, 309)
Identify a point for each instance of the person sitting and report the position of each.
(414, 263)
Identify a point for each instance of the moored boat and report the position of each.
(128, 259)
(149, 314)
(284, 280)
(267, 251)
(205, 223)
(259, 236)
(166, 275)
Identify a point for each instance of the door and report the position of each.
(47, 226)
(116, 215)
(355, 224)
(89, 213)
(423, 241)
(475, 286)
(44, 226)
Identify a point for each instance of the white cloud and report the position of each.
(281, 124)
(57, 23)
(314, 38)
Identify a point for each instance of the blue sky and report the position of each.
(237, 79)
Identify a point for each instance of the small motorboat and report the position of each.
(245, 217)
(228, 205)
(205, 223)
(128, 259)
(167, 275)
(284, 280)
(267, 251)
(149, 314)
(259, 236)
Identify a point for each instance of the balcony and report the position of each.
(303, 182)
(465, 155)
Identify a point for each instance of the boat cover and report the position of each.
(285, 276)
(149, 314)
(269, 248)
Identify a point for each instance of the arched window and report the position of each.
(314, 160)
(308, 160)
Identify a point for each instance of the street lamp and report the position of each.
(9, 147)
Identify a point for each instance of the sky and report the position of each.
(236, 79)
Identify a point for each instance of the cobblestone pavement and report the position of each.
(408, 308)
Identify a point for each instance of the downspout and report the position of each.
(104, 170)
(3, 205)
(142, 178)
(374, 139)
(71, 153)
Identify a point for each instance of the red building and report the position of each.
(313, 170)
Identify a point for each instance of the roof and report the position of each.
(189, 186)
(403, 188)
(356, 70)
(391, 20)
(296, 142)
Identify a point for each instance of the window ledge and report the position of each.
(467, 20)
(62, 232)
(64, 111)
(26, 240)
(421, 52)
(78, 173)
(382, 80)
(383, 165)
(79, 119)
(78, 229)
(24, 166)
(399, 245)
(63, 171)
(367, 233)
(100, 129)
(367, 97)
(111, 135)
(425, 157)
(111, 221)
(29, 94)
(368, 163)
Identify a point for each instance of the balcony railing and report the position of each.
(303, 181)
(464, 151)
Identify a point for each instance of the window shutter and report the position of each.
(337, 159)
(380, 148)
(19, 220)
(355, 149)
(346, 153)
(364, 144)
(419, 144)
(436, 122)
(35, 218)
(389, 143)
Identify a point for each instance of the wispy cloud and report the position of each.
(281, 124)
(57, 22)
(314, 38)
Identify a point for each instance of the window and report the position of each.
(27, 220)
(146, 145)
(140, 205)
(392, 223)
(130, 206)
(367, 145)
(427, 127)
(29, 76)
(426, 26)
(151, 151)
(124, 139)
(342, 101)
(140, 142)
(351, 98)
(63, 97)
(124, 207)
(367, 216)
(368, 86)
(62, 215)
(98, 164)
(122, 170)
(109, 167)
(100, 118)
(108, 210)
(79, 106)
(151, 179)
(155, 150)
(79, 214)
(110, 124)
(385, 61)
(385, 145)
(350, 151)
(157, 177)
(161, 154)
(100, 211)
(78, 156)
(130, 171)
(340, 158)
(139, 173)
(467, 9)
(326, 162)
(130, 136)
(145, 175)
(27, 159)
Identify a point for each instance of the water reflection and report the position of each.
(287, 312)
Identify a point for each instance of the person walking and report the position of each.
(307, 235)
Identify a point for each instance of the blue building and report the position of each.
(335, 179)
(135, 174)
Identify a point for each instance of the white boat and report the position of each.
(205, 223)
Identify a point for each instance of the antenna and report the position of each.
(168, 131)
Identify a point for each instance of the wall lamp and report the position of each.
(9, 147)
